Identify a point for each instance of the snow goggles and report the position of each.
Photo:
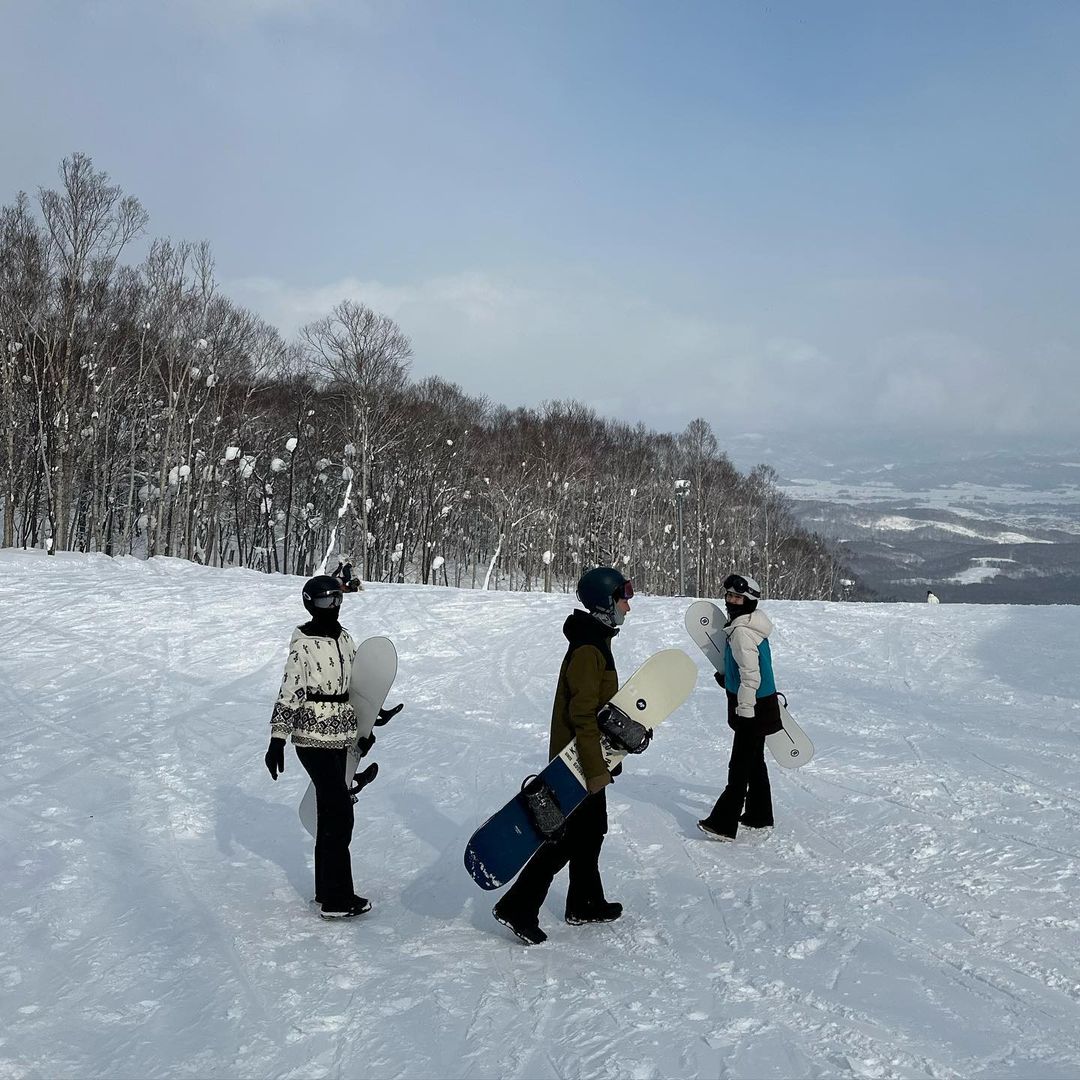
(739, 586)
(329, 600)
(624, 592)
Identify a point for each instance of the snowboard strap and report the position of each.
(339, 699)
(544, 809)
(622, 731)
(361, 779)
(386, 715)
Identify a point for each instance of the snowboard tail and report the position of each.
(498, 850)
(790, 746)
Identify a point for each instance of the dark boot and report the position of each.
(526, 930)
(358, 906)
(751, 824)
(713, 832)
(597, 912)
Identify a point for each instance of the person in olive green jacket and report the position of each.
(587, 680)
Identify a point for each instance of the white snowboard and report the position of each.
(790, 747)
(705, 623)
(650, 695)
(373, 672)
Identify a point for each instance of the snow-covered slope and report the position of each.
(914, 913)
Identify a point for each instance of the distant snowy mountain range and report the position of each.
(975, 524)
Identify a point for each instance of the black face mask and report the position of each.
(735, 610)
(323, 617)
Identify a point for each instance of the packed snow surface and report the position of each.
(913, 914)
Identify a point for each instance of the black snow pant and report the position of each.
(333, 832)
(748, 782)
(580, 848)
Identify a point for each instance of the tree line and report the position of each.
(146, 413)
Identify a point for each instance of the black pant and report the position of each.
(748, 782)
(580, 847)
(333, 831)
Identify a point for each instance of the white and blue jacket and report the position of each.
(748, 670)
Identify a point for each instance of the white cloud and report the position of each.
(636, 359)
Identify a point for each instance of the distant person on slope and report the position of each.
(344, 573)
(587, 680)
(313, 709)
(753, 711)
(931, 598)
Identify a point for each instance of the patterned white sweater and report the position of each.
(316, 665)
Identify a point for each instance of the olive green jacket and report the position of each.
(587, 680)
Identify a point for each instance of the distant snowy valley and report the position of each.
(976, 526)
(913, 914)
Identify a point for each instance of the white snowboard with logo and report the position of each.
(650, 695)
(705, 623)
(373, 672)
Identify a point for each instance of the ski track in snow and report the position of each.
(913, 914)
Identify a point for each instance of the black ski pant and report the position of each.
(748, 783)
(580, 848)
(333, 831)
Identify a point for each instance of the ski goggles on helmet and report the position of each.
(739, 586)
(326, 600)
(624, 592)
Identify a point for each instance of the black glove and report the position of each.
(386, 715)
(275, 757)
(719, 677)
(365, 745)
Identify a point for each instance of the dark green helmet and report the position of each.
(598, 590)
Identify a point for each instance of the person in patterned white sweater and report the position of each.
(313, 709)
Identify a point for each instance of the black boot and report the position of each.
(711, 831)
(597, 912)
(750, 823)
(358, 906)
(526, 930)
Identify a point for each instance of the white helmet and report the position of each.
(742, 585)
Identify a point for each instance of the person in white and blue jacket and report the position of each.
(753, 711)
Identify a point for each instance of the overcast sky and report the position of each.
(784, 215)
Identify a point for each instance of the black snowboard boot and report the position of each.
(527, 931)
(752, 824)
(712, 832)
(601, 911)
(358, 906)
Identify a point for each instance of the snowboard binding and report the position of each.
(386, 715)
(623, 732)
(362, 779)
(543, 807)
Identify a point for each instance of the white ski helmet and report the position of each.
(745, 586)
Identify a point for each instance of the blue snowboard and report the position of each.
(509, 839)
